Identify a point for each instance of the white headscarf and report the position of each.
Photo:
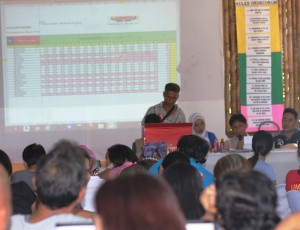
(193, 118)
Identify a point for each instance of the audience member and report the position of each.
(238, 124)
(88, 204)
(154, 150)
(140, 167)
(121, 157)
(290, 134)
(186, 182)
(60, 179)
(246, 200)
(199, 128)
(196, 149)
(5, 199)
(167, 110)
(293, 177)
(31, 155)
(173, 158)
(231, 162)
(138, 144)
(139, 201)
(262, 143)
(23, 198)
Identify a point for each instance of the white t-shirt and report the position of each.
(20, 222)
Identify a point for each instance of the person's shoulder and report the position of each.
(17, 222)
(68, 218)
(292, 173)
(211, 134)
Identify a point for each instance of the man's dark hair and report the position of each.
(5, 161)
(172, 87)
(173, 158)
(237, 117)
(60, 175)
(32, 153)
(292, 111)
(194, 146)
(152, 118)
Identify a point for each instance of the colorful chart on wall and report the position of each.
(260, 68)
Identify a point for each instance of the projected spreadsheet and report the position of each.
(38, 65)
(95, 60)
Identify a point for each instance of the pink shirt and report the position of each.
(117, 170)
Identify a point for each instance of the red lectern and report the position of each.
(168, 132)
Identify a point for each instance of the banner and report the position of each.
(259, 58)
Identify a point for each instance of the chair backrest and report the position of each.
(293, 197)
(283, 208)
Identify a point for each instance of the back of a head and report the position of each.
(32, 153)
(246, 201)
(5, 199)
(61, 175)
(119, 153)
(231, 162)
(186, 182)
(152, 118)
(173, 158)
(237, 117)
(172, 87)
(262, 142)
(5, 161)
(142, 201)
(194, 146)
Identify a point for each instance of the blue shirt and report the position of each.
(207, 177)
(281, 139)
(265, 168)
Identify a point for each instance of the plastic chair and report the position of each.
(293, 197)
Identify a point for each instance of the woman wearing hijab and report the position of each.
(199, 128)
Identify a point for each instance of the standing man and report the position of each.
(168, 111)
(290, 134)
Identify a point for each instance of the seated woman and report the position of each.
(293, 177)
(138, 201)
(262, 143)
(121, 157)
(186, 182)
(199, 128)
(231, 162)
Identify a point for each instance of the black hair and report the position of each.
(246, 200)
(186, 182)
(262, 143)
(5, 161)
(292, 111)
(194, 146)
(173, 158)
(119, 153)
(172, 87)
(237, 117)
(32, 153)
(60, 175)
(152, 118)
